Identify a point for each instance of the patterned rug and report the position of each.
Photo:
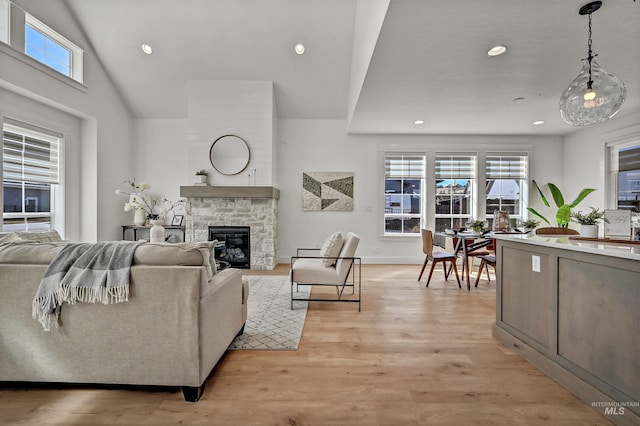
(271, 323)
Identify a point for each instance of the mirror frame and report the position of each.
(223, 139)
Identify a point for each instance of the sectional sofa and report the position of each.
(176, 325)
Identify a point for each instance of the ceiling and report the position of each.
(429, 62)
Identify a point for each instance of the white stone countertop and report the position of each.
(626, 251)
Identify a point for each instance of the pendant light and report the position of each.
(595, 95)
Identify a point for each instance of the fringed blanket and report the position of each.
(84, 272)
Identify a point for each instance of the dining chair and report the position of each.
(486, 261)
(436, 257)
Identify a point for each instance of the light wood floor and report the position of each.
(413, 356)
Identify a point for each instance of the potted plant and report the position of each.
(528, 225)
(476, 226)
(202, 175)
(563, 215)
(589, 221)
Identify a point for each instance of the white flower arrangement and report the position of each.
(154, 207)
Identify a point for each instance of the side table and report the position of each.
(136, 228)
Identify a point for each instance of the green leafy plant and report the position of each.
(529, 223)
(591, 218)
(202, 172)
(476, 225)
(563, 215)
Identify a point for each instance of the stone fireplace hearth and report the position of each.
(252, 206)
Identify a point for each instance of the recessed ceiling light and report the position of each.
(146, 49)
(299, 48)
(537, 123)
(418, 122)
(497, 50)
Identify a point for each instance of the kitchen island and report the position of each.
(572, 309)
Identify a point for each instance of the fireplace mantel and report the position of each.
(229, 192)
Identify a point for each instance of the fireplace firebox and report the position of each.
(234, 245)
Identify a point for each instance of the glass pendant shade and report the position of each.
(581, 105)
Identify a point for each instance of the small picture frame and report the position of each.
(177, 220)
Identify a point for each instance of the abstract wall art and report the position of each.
(327, 191)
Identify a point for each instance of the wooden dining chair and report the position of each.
(436, 257)
(485, 262)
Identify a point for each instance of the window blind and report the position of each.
(506, 166)
(629, 159)
(407, 166)
(453, 166)
(29, 156)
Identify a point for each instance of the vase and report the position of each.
(157, 232)
(139, 217)
(589, 231)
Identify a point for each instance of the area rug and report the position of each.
(271, 323)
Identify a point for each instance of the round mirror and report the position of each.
(229, 154)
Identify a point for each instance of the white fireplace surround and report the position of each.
(253, 206)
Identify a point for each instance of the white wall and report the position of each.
(324, 145)
(105, 125)
(585, 158)
(241, 108)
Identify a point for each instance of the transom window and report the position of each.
(403, 189)
(30, 174)
(52, 49)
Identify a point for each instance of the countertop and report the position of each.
(625, 251)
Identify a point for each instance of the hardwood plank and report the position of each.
(413, 356)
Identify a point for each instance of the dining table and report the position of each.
(465, 244)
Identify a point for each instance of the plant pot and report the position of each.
(589, 231)
(556, 231)
(202, 178)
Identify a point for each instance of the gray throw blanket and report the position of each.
(84, 272)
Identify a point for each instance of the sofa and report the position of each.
(178, 322)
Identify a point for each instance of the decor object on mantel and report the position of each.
(202, 176)
(563, 215)
(327, 191)
(595, 95)
(147, 206)
(589, 221)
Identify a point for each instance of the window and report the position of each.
(506, 175)
(47, 46)
(4, 21)
(455, 177)
(629, 179)
(30, 165)
(403, 186)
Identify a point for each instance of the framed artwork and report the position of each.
(618, 223)
(177, 220)
(327, 191)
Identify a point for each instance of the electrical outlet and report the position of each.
(535, 263)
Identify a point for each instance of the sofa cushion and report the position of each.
(41, 236)
(331, 248)
(29, 252)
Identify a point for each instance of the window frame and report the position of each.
(76, 53)
(521, 177)
(53, 182)
(410, 176)
(471, 176)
